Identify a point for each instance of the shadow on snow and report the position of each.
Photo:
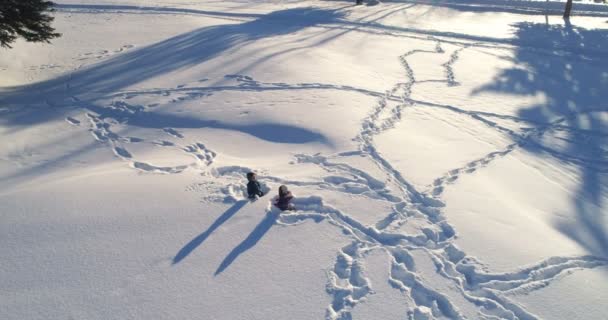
(251, 240)
(198, 240)
(575, 88)
(86, 86)
(88, 8)
(254, 237)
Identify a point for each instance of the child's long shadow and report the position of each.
(251, 240)
(198, 240)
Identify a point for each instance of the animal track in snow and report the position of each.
(44, 67)
(242, 79)
(452, 175)
(449, 68)
(103, 53)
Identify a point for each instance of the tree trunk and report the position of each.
(568, 9)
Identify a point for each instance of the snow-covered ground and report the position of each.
(449, 161)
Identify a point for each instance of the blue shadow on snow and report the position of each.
(251, 240)
(86, 86)
(198, 240)
(572, 75)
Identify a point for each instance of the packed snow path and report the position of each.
(436, 278)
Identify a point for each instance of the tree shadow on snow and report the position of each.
(138, 10)
(525, 7)
(83, 87)
(573, 77)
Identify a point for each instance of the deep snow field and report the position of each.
(449, 161)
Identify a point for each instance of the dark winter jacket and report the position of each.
(254, 189)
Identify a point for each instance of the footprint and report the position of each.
(124, 107)
(133, 139)
(123, 48)
(164, 143)
(100, 129)
(150, 168)
(201, 153)
(437, 191)
(72, 121)
(122, 152)
(173, 132)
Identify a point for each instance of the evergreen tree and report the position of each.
(28, 19)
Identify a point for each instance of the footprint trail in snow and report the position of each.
(429, 238)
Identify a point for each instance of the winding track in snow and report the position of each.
(347, 283)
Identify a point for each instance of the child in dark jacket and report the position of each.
(253, 186)
(283, 202)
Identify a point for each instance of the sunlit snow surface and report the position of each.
(449, 161)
